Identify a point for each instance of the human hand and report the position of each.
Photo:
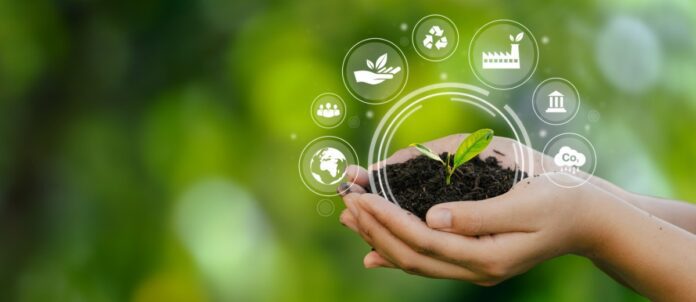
(488, 241)
(483, 242)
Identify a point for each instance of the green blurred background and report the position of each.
(148, 149)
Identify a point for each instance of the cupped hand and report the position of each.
(483, 242)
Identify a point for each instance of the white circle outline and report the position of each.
(299, 162)
(345, 110)
(403, 84)
(381, 132)
(594, 167)
(413, 35)
(575, 89)
(536, 46)
(330, 202)
(593, 116)
(390, 133)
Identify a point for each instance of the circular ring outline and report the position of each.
(575, 89)
(459, 94)
(536, 46)
(381, 150)
(345, 110)
(299, 162)
(594, 167)
(355, 95)
(413, 37)
(323, 201)
(593, 116)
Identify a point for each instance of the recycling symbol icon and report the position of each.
(433, 33)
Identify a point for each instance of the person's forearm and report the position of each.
(652, 256)
(679, 213)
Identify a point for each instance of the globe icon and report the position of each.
(328, 166)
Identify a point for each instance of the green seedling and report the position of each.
(471, 146)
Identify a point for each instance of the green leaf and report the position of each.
(471, 146)
(427, 152)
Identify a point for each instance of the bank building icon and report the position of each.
(556, 103)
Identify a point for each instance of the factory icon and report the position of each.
(507, 60)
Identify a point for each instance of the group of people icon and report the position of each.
(328, 111)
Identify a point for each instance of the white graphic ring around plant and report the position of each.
(468, 95)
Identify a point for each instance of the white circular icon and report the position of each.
(328, 110)
(435, 38)
(328, 166)
(573, 155)
(556, 101)
(375, 71)
(323, 164)
(503, 54)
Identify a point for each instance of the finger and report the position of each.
(346, 188)
(357, 189)
(501, 214)
(401, 255)
(373, 259)
(347, 219)
(408, 228)
(507, 255)
(357, 175)
(350, 201)
(516, 253)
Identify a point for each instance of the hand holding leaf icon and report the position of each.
(382, 73)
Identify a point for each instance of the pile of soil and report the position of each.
(419, 183)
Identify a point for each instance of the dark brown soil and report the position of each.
(419, 183)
